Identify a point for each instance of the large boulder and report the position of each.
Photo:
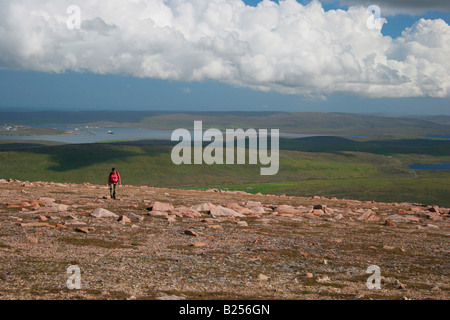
(46, 201)
(220, 211)
(186, 212)
(203, 207)
(133, 216)
(161, 206)
(435, 209)
(258, 210)
(286, 209)
(57, 207)
(103, 213)
(248, 211)
(251, 204)
(158, 214)
(320, 209)
(368, 215)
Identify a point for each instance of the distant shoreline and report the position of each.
(20, 131)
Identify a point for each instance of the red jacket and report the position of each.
(114, 178)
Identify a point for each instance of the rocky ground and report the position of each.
(176, 244)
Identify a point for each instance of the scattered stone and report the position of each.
(133, 216)
(220, 211)
(124, 218)
(409, 218)
(32, 240)
(158, 214)
(395, 218)
(186, 212)
(82, 230)
(252, 204)
(304, 254)
(435, 209)
(320, 207)
(42, 218)
(386, 247)
(103, 213)
(35, 206)
(433, 216)
(57, 207)
(402, 286)
(309, 275)
(323, 279)
(436, 288)
(287, 209)
(160, 206)
(171, 219)
(36, 224)
(191, 233)
(263, 277)
(216, 226)
(247, 211)
(369, 215)
(46, 201)
(170, 298)
(198, 244)
(242, 223)
(259, 210)
(204, 207)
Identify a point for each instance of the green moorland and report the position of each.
(364, 169)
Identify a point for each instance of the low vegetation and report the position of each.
(354, 168)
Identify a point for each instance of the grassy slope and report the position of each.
(349, 174)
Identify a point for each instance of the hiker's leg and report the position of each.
(114, 191)
(111, 186)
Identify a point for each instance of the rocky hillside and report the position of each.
(177, 244)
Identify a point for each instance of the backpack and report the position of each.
(114, 177)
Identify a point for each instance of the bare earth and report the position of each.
(262, 251)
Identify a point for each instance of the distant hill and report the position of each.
(437, 119)
(294, 122)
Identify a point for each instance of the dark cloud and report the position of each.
(392, 7)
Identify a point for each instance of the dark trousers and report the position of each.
(112, 190)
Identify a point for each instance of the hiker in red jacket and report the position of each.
(113, 181)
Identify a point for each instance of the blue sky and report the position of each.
(89, 90)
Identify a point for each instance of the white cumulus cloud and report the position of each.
(287, 47)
